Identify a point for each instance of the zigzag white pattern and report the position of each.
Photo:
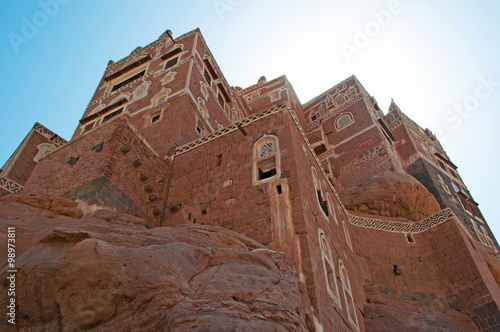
(412, 227)
(10, 186)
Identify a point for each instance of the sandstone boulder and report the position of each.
(87, 273)
(390, 194)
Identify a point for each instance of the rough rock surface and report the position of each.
(384, 313)
(392, 195)
(80, 269)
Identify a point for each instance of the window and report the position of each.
(266, 158)
(207, 76)
(171, 58)
(132, 70)
(328, 267)
(346, 288)
(200, 127)
(222, 95)
(171, 54)
(128, 80)
(87, 127)
(275, 96)
(441, 164)
(111, 115)
(445, 187)
(313, 117)
(344, 121)
(220, 99)
(453, 173)
(488, 240)
(323, 204)
(210, 69)
(171, 62)
(155, 117)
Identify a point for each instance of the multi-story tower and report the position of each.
(356, 198)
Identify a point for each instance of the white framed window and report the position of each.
(445, 187)
(266, 158)
(87, 127)
(322, 201)
(329, 268)
(275, 95)
(200, 127)
(349, 299)
(128, 77)
(344, 121)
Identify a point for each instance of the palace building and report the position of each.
(358, 198)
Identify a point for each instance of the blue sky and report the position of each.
(439, 60)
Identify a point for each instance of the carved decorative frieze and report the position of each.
(10, 186)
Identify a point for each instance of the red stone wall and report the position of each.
(440, 268)
(24, 164)
(212, 184)
(99, 154)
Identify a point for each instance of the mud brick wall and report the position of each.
(212, 184)
(23, 163)
(440, 268)
(427, 174)
(138, 173)
(357, 156)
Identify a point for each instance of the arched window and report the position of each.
(319, 193)
(160, 98)
(328, 267)
(343, 121)
(346, 289)
(266, 158)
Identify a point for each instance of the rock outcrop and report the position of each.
(81, 268)
(383, 313)
(392, 195)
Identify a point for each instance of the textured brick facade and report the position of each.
(167, 139)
